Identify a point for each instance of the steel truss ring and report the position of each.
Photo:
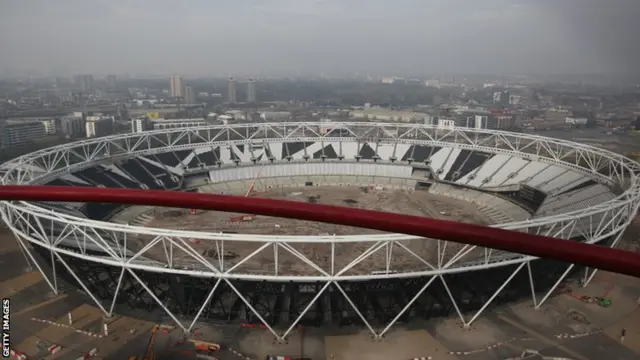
(41, 165)
(22, 171)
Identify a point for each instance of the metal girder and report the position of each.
(56, 160)
(358, 297)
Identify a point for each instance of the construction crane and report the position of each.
(254, 181)
(241, 218)
(149, 354)
(204, 346)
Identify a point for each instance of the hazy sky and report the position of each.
(219, 37)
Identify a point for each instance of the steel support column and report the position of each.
(495, 294)
(532, 285)
(154, 297)
(407, 306)
(204, 305)
(255, 312)
(115, 295)
(84, 287)
(23, 246)
(553, 288)
(613, 245)
(355, 308)
(306, 309)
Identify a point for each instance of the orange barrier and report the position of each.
(18, 355)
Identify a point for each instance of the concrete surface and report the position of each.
(399, 344)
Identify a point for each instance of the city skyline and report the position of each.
(287, 37)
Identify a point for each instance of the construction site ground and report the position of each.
(32, 300)
(418, 203)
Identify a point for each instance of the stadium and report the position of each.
(208, 266)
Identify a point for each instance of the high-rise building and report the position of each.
(251, 91)
(49, 126)
(16, 133)
(97, 126)
(480, 122)
(140, 125)
(189, 95)
(231, 90)
(111, 82)
(175, 86)
(72, 127)
(497, 97)
(85, 83)
(504, 99)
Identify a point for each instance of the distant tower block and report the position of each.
(251, 91)
(189, 95)
(231, 96)
(175, 86)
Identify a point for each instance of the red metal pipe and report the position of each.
(595, 256)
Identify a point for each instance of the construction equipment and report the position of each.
(601, 301)
(204, 346)
(235, 219)
(149, 354)
(254, 181)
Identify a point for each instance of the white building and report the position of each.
(49, 126)
(237, 114)
(140, 125)
(275, 115)
(446, 124)
(388, 80)
(432, 83)
(380, 114)
(142, 102)
(575, 121)
(225, 119)
(481, 121)
(158, 124)
(178, 124)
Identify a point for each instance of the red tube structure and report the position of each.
(595, 256)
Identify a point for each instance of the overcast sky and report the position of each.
(219, 37)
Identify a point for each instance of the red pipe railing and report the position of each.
(595, 256)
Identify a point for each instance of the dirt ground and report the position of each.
(260, 343)
(400, 344)
(417, 203)
(33, 303)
